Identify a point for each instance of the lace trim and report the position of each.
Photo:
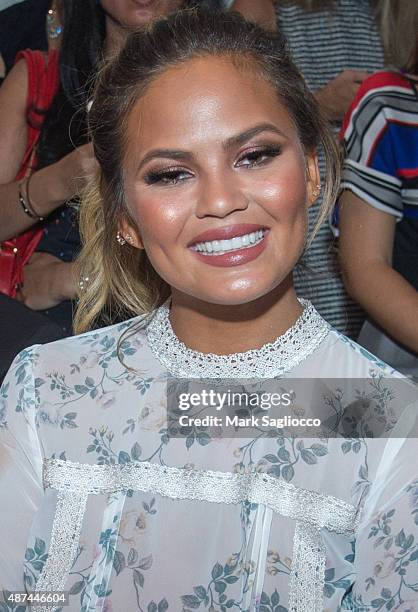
(312, 511)
(272, 359)
(307, 577)
(65, 535)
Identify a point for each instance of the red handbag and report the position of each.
(43, 83)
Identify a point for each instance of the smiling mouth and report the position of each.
(238, 243)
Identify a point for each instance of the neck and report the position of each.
(116, 35)
(223, 330)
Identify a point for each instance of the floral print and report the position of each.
(100, 399)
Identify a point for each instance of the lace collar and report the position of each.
(272, 359)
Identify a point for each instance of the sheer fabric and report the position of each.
(99, 500)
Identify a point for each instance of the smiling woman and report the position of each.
(248, 176)
(205, 135)
(239, 159)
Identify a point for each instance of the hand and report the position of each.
(53, 185)
(47, 281)
(335, 98)
(77, 168)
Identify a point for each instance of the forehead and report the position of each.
(204, 100)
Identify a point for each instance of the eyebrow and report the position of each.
(240, 139)
(234, 141)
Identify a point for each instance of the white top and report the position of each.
(99, 500)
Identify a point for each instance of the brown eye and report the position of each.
(258, 157)
(166, 177)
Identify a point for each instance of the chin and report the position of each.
(232, 295)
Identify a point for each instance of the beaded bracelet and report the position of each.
(25, 203)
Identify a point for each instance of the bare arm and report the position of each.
(49, 187)
(366, 245)
(259, 11)
(13, 129)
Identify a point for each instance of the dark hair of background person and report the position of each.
(123, 279)
(81, 54)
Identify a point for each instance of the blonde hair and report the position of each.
(121, 279)
(118, 281)
(399, 31)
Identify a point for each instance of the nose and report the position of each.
(220, 196)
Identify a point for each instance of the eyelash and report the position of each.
(270, 152)
(170, 176)
(166, 177)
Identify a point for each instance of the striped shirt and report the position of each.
(322, 44)
(380, 134)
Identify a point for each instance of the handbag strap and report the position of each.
(43, 84)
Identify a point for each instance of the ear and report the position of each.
(313, 182)
(131, 234)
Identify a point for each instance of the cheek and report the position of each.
(112, 7)
(283, 192)
(117, 10)
(159, 217)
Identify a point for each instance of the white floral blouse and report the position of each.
(99, 500)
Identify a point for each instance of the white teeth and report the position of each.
(219, 247)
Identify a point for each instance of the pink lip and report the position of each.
(225, 233)
(234, 258)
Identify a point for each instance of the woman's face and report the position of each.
(133, 13)
(217, 182)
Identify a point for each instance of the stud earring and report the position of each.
(317, 190)
(124, 239)
(120, 239)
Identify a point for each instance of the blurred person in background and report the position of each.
(335, 44)
(62, 160)
(92, 32)
(379, 204)
(21, 326)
